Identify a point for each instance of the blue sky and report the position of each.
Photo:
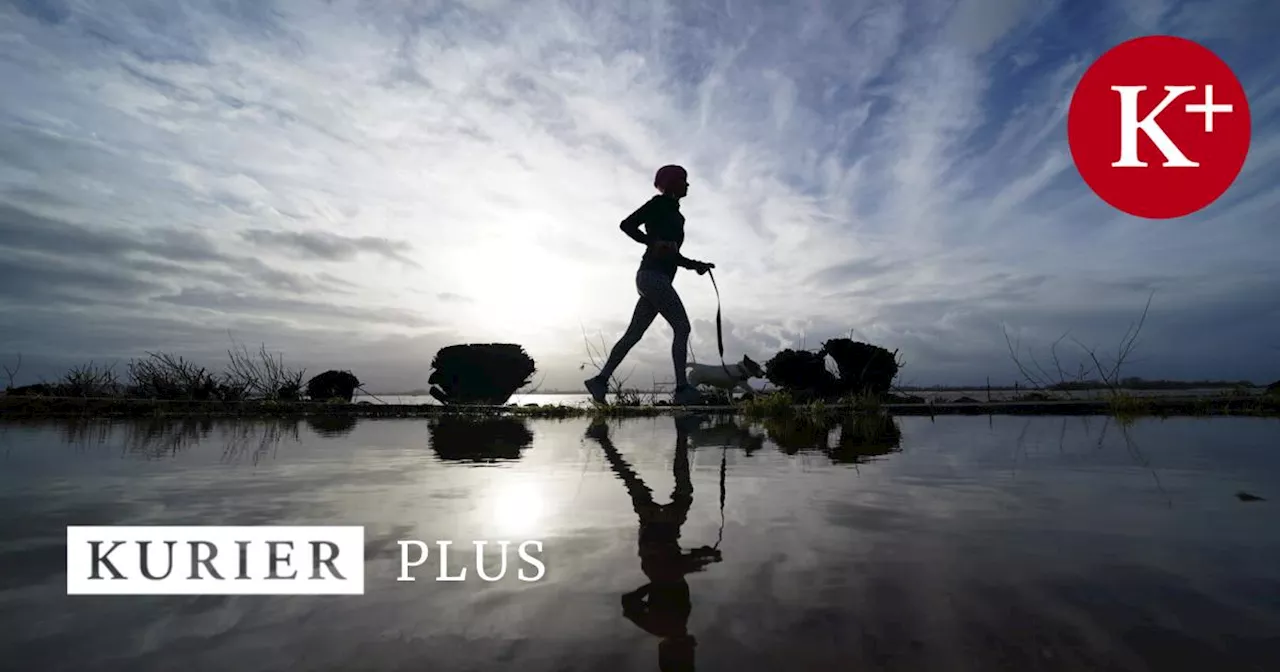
(356, 184)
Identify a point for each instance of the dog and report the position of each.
(728, 377)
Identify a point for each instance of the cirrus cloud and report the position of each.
(359, 183)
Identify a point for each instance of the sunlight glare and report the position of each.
(517, 510)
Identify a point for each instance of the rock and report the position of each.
(331, 384)
(485, 374)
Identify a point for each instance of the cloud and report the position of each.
(330, 247)
(333, 177)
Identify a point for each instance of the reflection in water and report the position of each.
(662, 606)
(1131, 445)
(469, 439)
(725, 431)
(860, 437)
(157, 438)
(332, 425)
(865, 437)
(464, 439)
(1011, 543)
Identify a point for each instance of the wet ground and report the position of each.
(963, 543)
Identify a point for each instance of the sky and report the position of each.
(355, 185)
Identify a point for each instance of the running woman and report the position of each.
(663, 236)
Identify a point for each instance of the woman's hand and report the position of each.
(701, 267)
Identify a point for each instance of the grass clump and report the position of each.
(166, 377)
(772, 405)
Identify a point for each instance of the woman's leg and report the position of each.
(643, 316)
(659, 291)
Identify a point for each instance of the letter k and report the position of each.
(1129, 127)
(100, 559)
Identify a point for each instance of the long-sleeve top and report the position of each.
(662, 221)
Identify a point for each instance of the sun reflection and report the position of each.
(517, 510)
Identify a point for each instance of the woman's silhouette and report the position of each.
(662, 606)
(662, 237)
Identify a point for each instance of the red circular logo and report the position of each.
(1159, 127)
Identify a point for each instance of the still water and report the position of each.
(963, 543)
(937, 396)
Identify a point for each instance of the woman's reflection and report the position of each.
(661, 607)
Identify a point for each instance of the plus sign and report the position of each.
(1208, 108)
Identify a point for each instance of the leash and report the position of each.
(724, 455)
(723, 464)
(719, 330)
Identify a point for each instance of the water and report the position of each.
(964, 543)
(569, 399)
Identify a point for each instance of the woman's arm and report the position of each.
(631, 225)
(699, 266)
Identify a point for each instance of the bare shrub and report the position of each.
(262, 375)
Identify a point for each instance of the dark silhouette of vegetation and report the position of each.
(864, 368)
(332, 385)
(11, 373)
(1090, 364)
(801, 373)
(463, 439)
(264, 376)
(168, 377)
(165, 376)
(480, 373)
